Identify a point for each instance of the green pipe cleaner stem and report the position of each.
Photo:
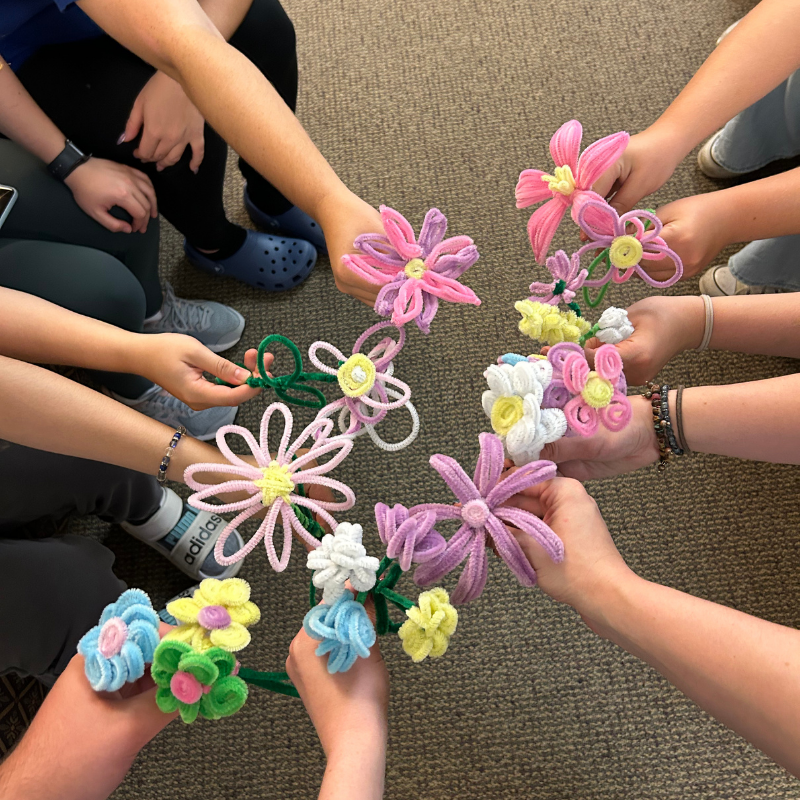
(603, 256)
(277, 682)
(588, 335)
(576, 308)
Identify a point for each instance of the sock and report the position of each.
(267, 198)
(234, 239)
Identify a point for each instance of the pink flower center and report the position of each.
(113, 635)
(186, 687)
(475, 513)
(214, 617)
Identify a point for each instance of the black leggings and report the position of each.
(88, 89)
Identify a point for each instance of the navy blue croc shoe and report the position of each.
(271, 263)
(293, 222)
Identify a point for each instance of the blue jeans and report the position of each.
(766, 131)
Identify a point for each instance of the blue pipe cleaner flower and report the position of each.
(344, 630)
(511, 358)
(117, 649)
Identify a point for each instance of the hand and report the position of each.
(606, 453)
(347, 218)
(82, 743)
(97, 185)
(664, 327)
(646, 165)
(169, 121)
(177, 363)
(592, 564)
(349, 710)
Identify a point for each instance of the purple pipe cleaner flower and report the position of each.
(409, 539)
(568, 277)
(482, 515)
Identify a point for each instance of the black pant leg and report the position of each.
(88, 89)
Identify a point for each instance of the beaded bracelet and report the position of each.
(161, 475)
(667, 444)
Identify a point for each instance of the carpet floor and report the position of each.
(418, 104)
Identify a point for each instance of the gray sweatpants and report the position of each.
(50, 248)
(54, 587)
(767, 131)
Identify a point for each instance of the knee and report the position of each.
(117, 297)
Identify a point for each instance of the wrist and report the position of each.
(333, 204)
(365, 741)
(668, 140)
(689, 313)
(611, 603)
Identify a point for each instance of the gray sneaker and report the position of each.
(721, 282)
(159, 404)
(708, 164)
(217, 326)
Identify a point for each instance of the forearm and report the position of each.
(230, 92)
(742, 670)
(23, 121)
(760, 53)
(227, 15)
(756, 420)
(357, 768)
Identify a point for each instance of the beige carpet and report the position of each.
(419, 104)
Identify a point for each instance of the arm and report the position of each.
(742, 670)
(177, 37)
(32, 329)
(349, 712)
(760, 53)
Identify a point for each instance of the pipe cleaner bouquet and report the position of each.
(530, 402)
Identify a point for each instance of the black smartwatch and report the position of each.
(67, 160)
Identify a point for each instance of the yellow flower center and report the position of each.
(415, 268)
(277, 482)
(357, 375)
(625, 252)
(562, 182)
(506, 413)
(598, 391)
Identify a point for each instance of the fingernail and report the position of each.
(196, 170)
(241, 375)
(121, 138)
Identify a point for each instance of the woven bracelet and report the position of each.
(161, 475)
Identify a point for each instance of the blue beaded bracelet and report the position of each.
(161, 475)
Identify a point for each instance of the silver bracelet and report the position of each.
(709, 308)
(161, 475)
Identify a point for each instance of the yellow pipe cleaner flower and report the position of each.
(548, 324)
(217, 615)
(429, 626)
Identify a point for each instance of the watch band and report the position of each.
(67, 160)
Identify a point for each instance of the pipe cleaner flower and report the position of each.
(366, 381)
(556, 395)
(546, 323)
(571, 183)
(116, 650)
(272, 484)
(194, 683)
(597, 398)
(341, 557)
(218, 614)
(614, 326)
(568, 277)
(429, 626)
(607, 229)
(513, 403)
(344, 631)
(482, 514)
(409, 539)
(414, 273)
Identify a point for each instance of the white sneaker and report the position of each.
(159, 404)
(709, 167)
(721, 282)
(187, 538)
(217, 326)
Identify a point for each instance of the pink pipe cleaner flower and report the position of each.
(568, 277)
(597, 398)
(414, 273)
(607, 229)
(363, 379)
(271, 484)
(482, 515)
(571, 183)
(409, 539)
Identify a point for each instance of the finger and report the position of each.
(627, 197)
(138, 207)
(171, 158)
(220, 367)
(147, 719)
(112, 223)
(211, 395)
(198, 145)
(133, 125)
(147, 145)
(251, 360)
(148, 190)
(164, 148)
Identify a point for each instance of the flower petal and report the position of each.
(365, 271)
(490, 463)
(184, 609)
(533, 526)
(598, 157)
(454, 265)
(476, 570)
(531, 188)
(508, 548)
(400, 233)
(233, 638)
(595, 217)
(543, 224)
(377, 247)
(408, 303)
(430, 306)
(448, 289)
(581, 418)
(454, 476)
(433, 230)
(566, 144)
(617, 414)
(530, 475)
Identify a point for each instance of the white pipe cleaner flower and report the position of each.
(513, 403)
(339, 558)
(615, 326)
